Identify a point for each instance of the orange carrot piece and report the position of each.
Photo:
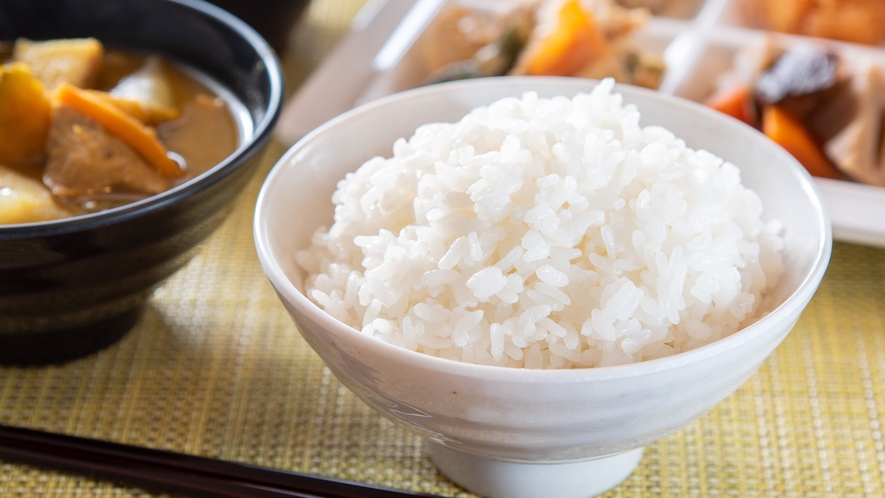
(121, 125)
(735, 102)
(790, 134)
(576, 41)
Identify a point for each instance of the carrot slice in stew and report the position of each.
(125, 127)
(576, 42)
(736, 102)
(790, 134)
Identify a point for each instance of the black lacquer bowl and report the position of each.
(71, 287)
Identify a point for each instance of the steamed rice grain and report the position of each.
(545, 233)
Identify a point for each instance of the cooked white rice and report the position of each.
(545, 233)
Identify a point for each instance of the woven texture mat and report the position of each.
(216, 368)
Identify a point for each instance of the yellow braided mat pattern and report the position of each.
(216, 368)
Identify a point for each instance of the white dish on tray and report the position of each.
(377, 58)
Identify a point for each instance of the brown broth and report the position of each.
(205, 133)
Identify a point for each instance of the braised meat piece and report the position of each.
(799, 80)
(86, 162)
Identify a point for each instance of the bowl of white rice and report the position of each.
(540, 275)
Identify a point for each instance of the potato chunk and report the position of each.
(76, 61)
(151, 87)
(26, 200)
(24, 115)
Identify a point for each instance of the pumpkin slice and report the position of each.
(24, 115)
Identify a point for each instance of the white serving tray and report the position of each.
(377, 58)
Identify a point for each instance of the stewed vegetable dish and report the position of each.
(85, 128)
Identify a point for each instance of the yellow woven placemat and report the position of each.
(216, 368)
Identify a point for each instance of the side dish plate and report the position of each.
(378, 57)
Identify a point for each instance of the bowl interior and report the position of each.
(297, 195)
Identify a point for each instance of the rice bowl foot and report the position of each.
(499, 479)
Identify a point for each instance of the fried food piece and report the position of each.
(24, 115)
(85, 161)
(25, 200)
(74, 61)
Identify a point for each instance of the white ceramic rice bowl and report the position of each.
(513, 432)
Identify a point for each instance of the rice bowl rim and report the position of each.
(798, 298)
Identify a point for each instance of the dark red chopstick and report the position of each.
(171, 472)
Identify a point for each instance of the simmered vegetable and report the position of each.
(464, 32)
(86, 159)
(495, 59)
(120, 124)
(25, 200)
(859, 148)
(789, 133)
(151, 88)
(575, 41)
(24, 115)
(735, 102)
(826, 110)
(76, 61)
(582, 38)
